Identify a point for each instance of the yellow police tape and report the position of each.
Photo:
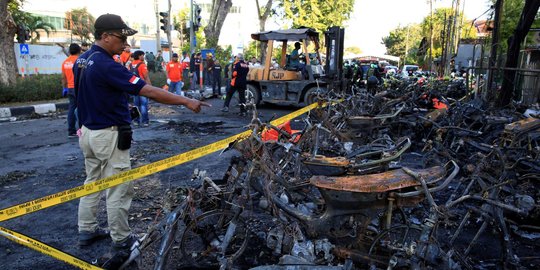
(45, 249)
(108, 182)
(133, 174)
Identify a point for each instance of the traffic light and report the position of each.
(23, 33)
(197, 17)
(165, 21)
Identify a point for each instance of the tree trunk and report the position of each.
(530, 9)
(8, 63)
(263, 16)
(220, 9)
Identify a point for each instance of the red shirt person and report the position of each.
(174, 75)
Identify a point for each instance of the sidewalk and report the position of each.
(11, 113)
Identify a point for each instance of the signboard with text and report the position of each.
(41, 59)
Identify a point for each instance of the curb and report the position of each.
(8, 112)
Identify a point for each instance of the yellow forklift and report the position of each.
(283, 84)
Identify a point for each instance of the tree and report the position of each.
(81, 23)
(403, 42)
(36, 24)
(263, 13)
(180, 22)
(530, 11)
(317, 14)
(8, 63)
(218, 13)
(439, 24)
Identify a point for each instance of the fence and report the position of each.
(527, 79)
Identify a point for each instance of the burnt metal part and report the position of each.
(374, 183)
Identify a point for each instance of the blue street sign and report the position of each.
(24, 49)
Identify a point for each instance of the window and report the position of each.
(57, 22)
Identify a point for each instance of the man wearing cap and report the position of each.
(102, 87)
(174, 70)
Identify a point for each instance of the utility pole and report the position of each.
(158, 38)
(169, 29)
(406, 46)
(191, 32)
(430, 61)
(489, 94)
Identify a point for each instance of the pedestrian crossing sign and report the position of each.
(24, 49)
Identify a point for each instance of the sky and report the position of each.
(370, 21)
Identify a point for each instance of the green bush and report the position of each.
(49, 87)
(32, 88)
(158, 79)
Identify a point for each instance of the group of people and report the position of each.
(100, 88)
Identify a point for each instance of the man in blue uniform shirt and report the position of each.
(102, 89)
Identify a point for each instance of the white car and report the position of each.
(408, 70)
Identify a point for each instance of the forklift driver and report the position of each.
(294, 60)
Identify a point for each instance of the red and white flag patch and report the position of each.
(134, 79)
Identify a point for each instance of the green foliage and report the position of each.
(180, 21)
(36, 23)
(252, 50)
(32, 88)
(511, 12)
(404, 42)
(223, 55)
(409, 37)
(81, 23)
(158, 79)
(440, 16)
(317, 14)
(33, 23)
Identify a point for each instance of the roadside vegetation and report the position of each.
(49, 87)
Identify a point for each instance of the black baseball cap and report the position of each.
(174, 55)
(109, 22)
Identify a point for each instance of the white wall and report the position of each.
(42, 59)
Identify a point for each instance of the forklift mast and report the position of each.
(334, 39)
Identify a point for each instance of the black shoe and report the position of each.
(122, 254)
(243, 113)
(73, 135)
(127, 244)
(225, 109)
(87, 238)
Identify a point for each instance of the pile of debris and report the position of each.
(410, 178)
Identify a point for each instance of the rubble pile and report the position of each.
(419, 177)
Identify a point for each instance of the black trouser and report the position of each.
(241, 95)
(72, 117)
(216, 83)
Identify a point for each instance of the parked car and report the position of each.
(408, 70)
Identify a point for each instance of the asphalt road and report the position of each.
(37, 158)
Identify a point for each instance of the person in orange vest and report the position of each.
(238, 83)
(124, 57)
(138, 67)
(174, 75)
(68, 84)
